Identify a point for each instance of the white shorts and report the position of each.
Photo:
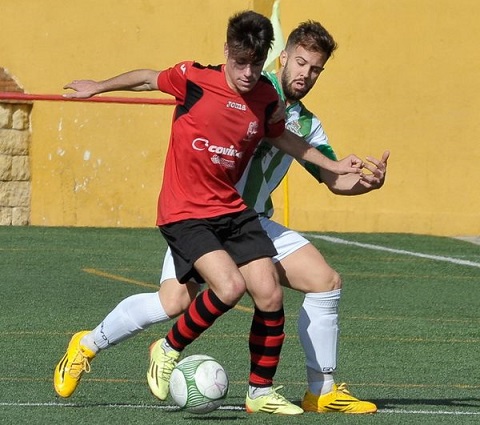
(286, 242)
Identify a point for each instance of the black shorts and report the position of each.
(241, 235)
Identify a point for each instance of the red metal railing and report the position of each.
(99, 99)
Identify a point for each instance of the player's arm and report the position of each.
(279, 112)
(358, 184)
(137, 80)
(298, 148)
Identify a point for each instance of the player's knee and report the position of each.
(176, 297)
(335, 281)
(326, 282)
(271, 300)
(331, 282)
(231, 291)
(276, 299)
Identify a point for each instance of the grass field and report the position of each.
(410, 316)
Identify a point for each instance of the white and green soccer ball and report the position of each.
(199, 384)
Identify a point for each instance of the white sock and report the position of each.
(255, 392)
(130, 316)
(319, 383)
(318, 331)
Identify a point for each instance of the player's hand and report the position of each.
(83, 89)
(378, 171)
(349, 164)
(278, 113)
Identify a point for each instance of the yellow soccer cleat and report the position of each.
(338, 400)
(162, 364)
(70, 369)
(272, 403)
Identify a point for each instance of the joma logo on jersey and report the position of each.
(201, 144)
(235, 105)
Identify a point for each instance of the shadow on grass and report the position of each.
(446, 402)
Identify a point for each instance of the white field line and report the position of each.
(394, 251)
(228, 408)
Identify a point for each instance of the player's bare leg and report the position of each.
(226, 287)
(176, 297)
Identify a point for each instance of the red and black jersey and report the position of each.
(214, 133)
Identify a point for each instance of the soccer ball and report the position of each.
(199, 384)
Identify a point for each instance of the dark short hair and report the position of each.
(249, 36)
(312, 36)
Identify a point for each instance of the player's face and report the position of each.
(242, 74)
(301, 68)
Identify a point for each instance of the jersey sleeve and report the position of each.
(319, 140)
(174, 80)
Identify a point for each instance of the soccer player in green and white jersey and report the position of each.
(269, 165)
(300, 265)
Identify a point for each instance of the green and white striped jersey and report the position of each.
(269, 165)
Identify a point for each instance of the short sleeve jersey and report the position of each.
(214, 133)
(269, 165)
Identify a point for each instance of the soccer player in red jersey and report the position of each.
(222, 113)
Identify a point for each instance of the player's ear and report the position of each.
(225, 50)
(283, 57)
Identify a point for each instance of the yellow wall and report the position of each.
(405, 78)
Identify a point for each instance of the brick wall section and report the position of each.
(15, 133)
